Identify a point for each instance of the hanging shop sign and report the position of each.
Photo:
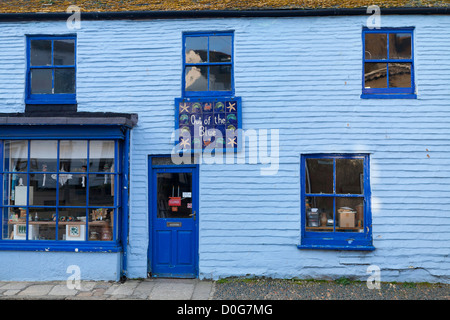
(208, 123)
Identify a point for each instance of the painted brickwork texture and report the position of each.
(303, 77)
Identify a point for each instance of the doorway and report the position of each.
(173, 206)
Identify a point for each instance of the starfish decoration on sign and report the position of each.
(184, 143)
(231, 107)
(184, 107)
(232, 141)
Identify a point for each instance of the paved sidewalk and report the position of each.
(146, 289)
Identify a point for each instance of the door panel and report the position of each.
(174, 222)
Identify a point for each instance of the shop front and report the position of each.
(63, 190)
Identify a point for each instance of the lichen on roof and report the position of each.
(24, 6)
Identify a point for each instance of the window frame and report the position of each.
(208, 93)
(62, 98)
(388, 93)
(114, 245)
(336, 240)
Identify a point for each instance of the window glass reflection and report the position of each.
(43, 155)
(375, 75)
(41, 52)
(220, 48)
(319, 176)
(220, 78)
(400, 75)
(64, 52)
(196, 49)
(64, 80)
(196, 78)
(15, 155)
(349, 176)
(41, 81)
(375, 46)
(400, 46)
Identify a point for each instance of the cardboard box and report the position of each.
(347, 219)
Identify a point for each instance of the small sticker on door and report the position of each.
(187, 195)
(189, 205)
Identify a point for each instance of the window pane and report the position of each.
(43, 155)
(16, 155)
(73, 155)
(72, 189)
(319, 176)
(72, 224)
(65, 80)
(400, 75)
(41, 81)
(14, 223)
(350, 214)
(196, 78)
(220, 49)
(101, 224)
(196, 49)
(173, 185)
(375, 75)
(319, 214)
(400, 46)
(42, 221)
(349, 176)
(375, 46)
(42, 189)
(41, 53)
(220, 78)
(101, 156)
(101, 190)
(15, 189)
(63, 52)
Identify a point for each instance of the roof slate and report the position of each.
(38, 6)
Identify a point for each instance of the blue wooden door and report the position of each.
(174, 223)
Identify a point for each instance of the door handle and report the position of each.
(193, 215)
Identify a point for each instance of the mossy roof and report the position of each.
(38, 6)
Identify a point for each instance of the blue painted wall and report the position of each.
(301, 76)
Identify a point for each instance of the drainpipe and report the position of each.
(125, 205)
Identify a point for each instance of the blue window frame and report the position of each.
(335, 202)
(60, 190)
(388, 63)
(208, 64)
(51, 70)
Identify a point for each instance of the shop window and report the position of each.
(336, 202)
(208, 64)
(51, 70)
(59, 190)
(388, 63)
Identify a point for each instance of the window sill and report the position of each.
(388, 96)
(336, 247)
(54, 246)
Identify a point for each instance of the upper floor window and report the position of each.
(208, 64)
(51, 69)
(388, 63)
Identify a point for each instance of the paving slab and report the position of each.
(36, 290)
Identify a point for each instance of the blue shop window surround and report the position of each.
(61, 194)
(335, 202)
(208, 64)
(51, 70)
(388, 63)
